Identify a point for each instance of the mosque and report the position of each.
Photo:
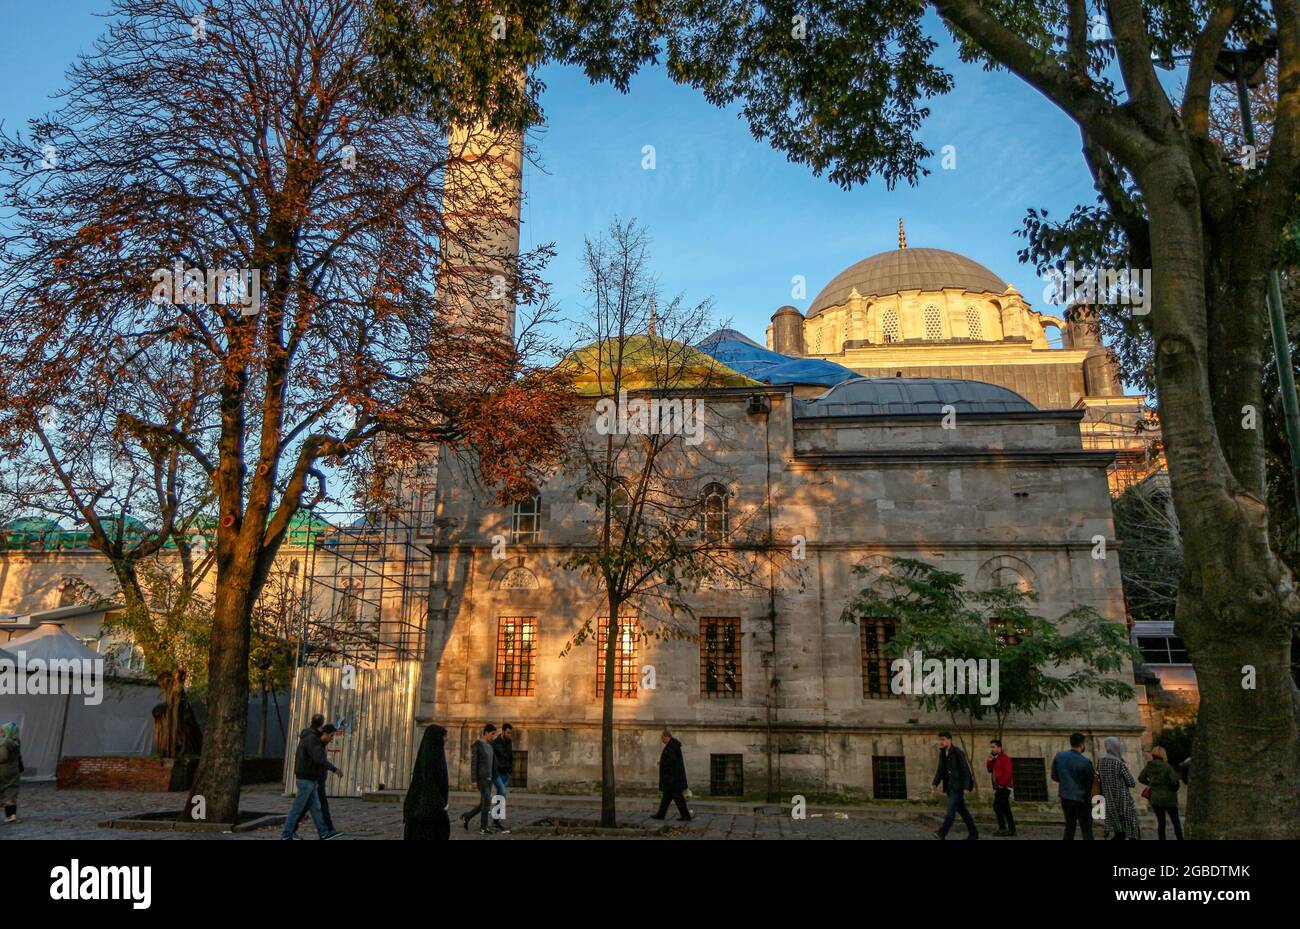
(834, 434)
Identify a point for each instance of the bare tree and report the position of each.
(659, 534)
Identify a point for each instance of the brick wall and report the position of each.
(122, 772)
(126, 772)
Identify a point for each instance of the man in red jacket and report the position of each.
(999, 765)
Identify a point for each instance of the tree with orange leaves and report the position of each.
(219, 256)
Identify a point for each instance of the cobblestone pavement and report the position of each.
(48, 813)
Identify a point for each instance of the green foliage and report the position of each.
(172, 625)
(1040, 662)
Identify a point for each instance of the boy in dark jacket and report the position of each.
(309, 767)
(482, 769)
(999, 765)
(504, 750)
(957, 779)
(672, 778)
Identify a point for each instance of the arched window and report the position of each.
(621, 506)
(889, 325)
(713, 513)
(974, 325)
(933, 323)
(69, 590)
(526, 521)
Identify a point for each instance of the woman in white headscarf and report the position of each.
(11, 767)
(1117, 789)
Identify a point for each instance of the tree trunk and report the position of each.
(608, 815)
(1235, 603)
(217, 780)
(167, 728)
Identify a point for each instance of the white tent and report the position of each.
(62, 664)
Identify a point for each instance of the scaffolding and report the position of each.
(365, 585)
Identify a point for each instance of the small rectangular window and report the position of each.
(727, 775)
(519, 774)
(1029, 779)
(889, 777)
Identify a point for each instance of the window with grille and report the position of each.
(974, 325)
(876, 634)
(713, 513)
(1029, 779)
(1006, 631)
(720, 656)
(626, 675)
(526, 521)
(519, 774)
(933, 323)
(889, 325)
(516, 656)
(727, 775)
(888, 777)
(1163, 649)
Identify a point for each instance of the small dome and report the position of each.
(926, 269)
(892, 396)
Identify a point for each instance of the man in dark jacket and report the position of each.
(999, 765)
(424, 811)
(482, 769)
(672, 778)
(957, 779)
(309, 767)
(504, 750)
(1074, 774)
(327, 732)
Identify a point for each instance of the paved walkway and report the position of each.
(48, 813)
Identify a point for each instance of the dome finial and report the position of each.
(902, 236)
(650, 329)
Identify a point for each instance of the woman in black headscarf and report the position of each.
(425, 811)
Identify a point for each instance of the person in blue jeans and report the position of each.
(1073, 772)
(503, 748)
(957, 779)
(309, 767)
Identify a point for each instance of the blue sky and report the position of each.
(730, 218)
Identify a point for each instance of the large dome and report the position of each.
(928, 269)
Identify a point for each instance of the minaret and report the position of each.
(481, 205)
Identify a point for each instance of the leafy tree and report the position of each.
(1040, 662)
(234, 135)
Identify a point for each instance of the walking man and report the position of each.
(505, 758)
(327, 736)
(1073, 773)
(955, 775)
(999, 765)
(309, 767)
(482, 772)
(672, 778)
